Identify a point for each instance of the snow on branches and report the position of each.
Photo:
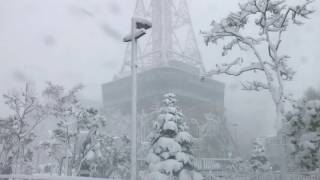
(77, 126)
(26, 114)
(303, 125)
(271, 19)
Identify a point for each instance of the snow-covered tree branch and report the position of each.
(254, 86)
(227, 68)
(272, 18)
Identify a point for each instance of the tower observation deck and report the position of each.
(169, 61)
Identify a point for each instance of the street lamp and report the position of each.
(138, 29)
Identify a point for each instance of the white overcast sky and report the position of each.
(79, 41)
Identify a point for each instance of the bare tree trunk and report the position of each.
(60, 162)
(76, 156)
(109, 172)
(18, 158)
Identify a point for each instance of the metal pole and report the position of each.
(67, 157)
(134, 103)
(283, 153)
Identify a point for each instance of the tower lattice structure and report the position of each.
(172, 40)
(169, 60)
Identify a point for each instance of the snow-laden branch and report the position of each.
(226, 68)
(254, 86)
(273, 17)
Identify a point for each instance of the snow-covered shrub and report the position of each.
(258, 160)
(303, 129)
(170, 155)
(110, 157)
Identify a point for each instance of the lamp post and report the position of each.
(283, 155)
(138, 27)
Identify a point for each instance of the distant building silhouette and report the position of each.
(169, 61)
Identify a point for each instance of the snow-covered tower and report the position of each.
(169, 61)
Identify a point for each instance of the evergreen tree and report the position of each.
(258, 160)
(170, 154)
(303, 129)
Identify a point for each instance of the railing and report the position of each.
(291, 176)
(225, 175)
(205, 164)
(47, 177)
(209, 164)
(218, 175)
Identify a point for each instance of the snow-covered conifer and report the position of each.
(170, 154)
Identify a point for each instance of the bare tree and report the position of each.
(26, 114)
(272, 19)
(78, 126)
(63, 106)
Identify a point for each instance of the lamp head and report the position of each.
(137, 35)
(142, 23)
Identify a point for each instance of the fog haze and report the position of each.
(79, 41)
